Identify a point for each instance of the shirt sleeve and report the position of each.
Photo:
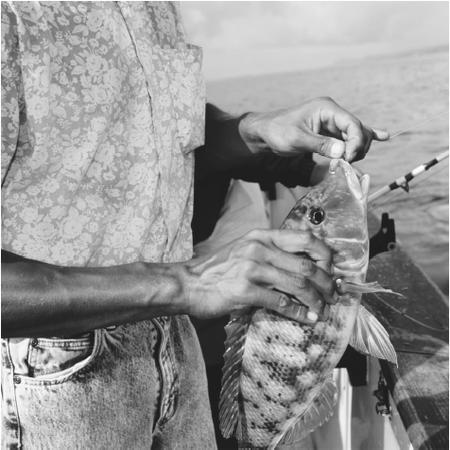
(12, 99)
(269, 168)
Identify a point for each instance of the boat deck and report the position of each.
(418, 326)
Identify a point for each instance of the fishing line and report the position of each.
(407, 316)
(418, 124)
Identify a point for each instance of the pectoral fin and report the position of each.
(370, 337)
(358, 287)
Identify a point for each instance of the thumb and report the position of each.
(323, 145)
(380, 135)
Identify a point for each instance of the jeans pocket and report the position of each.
(55, 360)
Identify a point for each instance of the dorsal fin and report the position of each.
(317, 413)
(370, 337)
(236, 331)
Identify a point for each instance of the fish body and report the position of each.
(277, 384)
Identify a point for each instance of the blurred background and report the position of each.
(387, 62)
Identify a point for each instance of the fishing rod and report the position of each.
(402, 182)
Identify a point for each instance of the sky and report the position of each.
(252, 38)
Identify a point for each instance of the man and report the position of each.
(102, 107)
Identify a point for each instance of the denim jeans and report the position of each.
(138, 386)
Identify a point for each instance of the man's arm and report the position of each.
(317, 126)
(226, 154)
(40, 299)
(224, 148)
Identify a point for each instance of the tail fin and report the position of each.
(370, 337)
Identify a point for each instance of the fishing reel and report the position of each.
(382, 407)
(385, 239)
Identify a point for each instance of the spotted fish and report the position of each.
(277, 384)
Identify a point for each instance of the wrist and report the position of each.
(248, 127)
(166, 289)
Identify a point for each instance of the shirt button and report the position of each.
(34, 342)
(17, 379)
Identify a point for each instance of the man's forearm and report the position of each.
(40, 299)
(226, 152)
(224, 148)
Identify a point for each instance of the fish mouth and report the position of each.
(340, 166)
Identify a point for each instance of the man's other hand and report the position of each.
(319, 126)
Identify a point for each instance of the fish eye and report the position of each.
(316, 215)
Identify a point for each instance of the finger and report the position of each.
(297, 241)
(351, 129)
(325, 313)
(310, 284)
(368, 140)
(323, 283)
(283, 305)
(311, 298)
(380, 135)
(290, 262)
(355, 141)
(292, 284)
(357, 171)
(325, 146)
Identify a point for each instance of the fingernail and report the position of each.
(312, 316)
(337, 150)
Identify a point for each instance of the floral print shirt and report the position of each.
(102, 105)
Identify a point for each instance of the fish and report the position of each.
(277, 384)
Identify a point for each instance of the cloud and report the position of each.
(227, 25)
(246, 38)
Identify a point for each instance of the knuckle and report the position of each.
(307, 267)
(326, 98)
(309, 295)
(248, 269)
(306, 238)
(254, 234)
(302, 282)
(243, 288)
(252, 248)
(283, 301)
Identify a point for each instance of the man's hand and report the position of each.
(319, 126)
(263, 269)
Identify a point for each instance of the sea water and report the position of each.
(394, 93)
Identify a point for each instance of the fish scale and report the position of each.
(277, 383)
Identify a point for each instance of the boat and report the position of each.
(381, 406)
